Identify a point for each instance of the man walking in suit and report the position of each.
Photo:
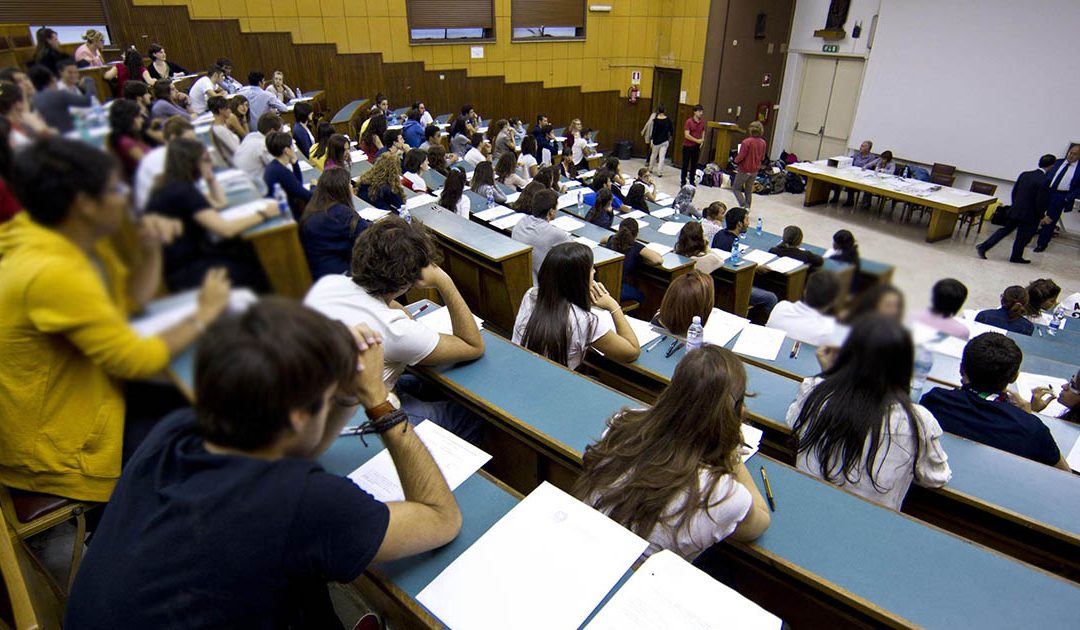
(1064, 190)
(1030, 195)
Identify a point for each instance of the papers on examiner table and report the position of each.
(642, 330)
(671, 228)
(669, 592)
(508, 221)
(722, 327)
(567, 223)
(759, 341)
(457, 461)
(439, 320)
(150, 325)
(546, 564)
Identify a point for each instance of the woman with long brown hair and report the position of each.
(436, 157)
(380, 185)
(673, 474)
(240, 121)
(625, 242)
(330, 225)
(691, 294)
(691, 243)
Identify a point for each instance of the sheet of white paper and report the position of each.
(512, 197)
(922, 334)
(642, 330)
(494, 213)
(357, 156)
(721, 253)
(1026, 382)
(588, 242)
(671, 228)
(587, 174)
(659, 248)
(665, 202)
(783, 264)
(1074, 457)
(669, 592)
(663, 197)
(150, 325)
(439, 320)
(373, 214)
(722, 327)
(457, 461)
(508, 221)
(246, 209)
(418, 200)
(759, 341)
(567, 223)
(567, 199)
(634, 214)
(758, 256)
(751, 437)
(663, 213)
(948, 346)
(546, 564)
(977, 328)
(305, 165)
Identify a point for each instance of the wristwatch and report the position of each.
(392, 403)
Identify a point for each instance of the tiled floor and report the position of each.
(918, 264)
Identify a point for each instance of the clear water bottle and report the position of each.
(924, 362)
(580, 201)
(81, 128)
(404, 213)
(695, 334)
(1057, 321)
(490, 197)
(735, 255)
(282, 200)
(298, 93)
(760, 225)
(100, 118)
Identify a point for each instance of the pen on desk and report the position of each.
(421, 309)
(349, 431)
(768, 490)
(656, 342)
(675, 347)
(795, 350)
(1040, 331)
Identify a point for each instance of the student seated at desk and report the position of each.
(371, 138)
(301, 129)
(567, 167)
(881, 299)
(738, 221)
(461, 132)
(691, 243)
(153, 163)
(601, 181)
(983, 409)
(165, 101)
(855, 423)
(809, 320)
(453, 194)
(227, 509)
(549, 176)
(259, 100)
(625, 242)
(208, 240)
(438, 159)
(52, 103)
(536, 229)
(946, 299)
(1069, 398)
(323, 133)
(337, 153)
(206, 86)
(524, 200)
(277, 87)
(392, 143)
(330, 225)
(416, 164)
(125, 138)
(601, 213)
(789, 246)
(66, 348)
(284, 172)
(1010, 316)
(527, 164)
(1043, 295)
(684, 202)
(221, 134)
(252, 156)
(483, 182)
(506, 172)
(846, 250)
(691, 294)
(545, 145)
(431, 137)
(412, 131)
(614, 172)
(712, 219)
(557, 318)
(380, 185)
(389, 258)
(240, 121)
(479, 151)
(673, 474)
(635, 198)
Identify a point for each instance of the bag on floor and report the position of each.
(1001, 215)
(795, 183)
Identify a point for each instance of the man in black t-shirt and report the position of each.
(223, 519)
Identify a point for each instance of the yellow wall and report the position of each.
(635, 35)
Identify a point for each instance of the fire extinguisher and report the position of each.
(634, 93)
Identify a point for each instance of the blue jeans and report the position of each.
(416, 399)
(630, 292)
(1053, 210)
(765, 299)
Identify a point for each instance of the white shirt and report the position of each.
(252, 156)
(542, 235)
(1070, 172)
(710, 229)
(197, 94)
(405, 340)
(226, 141)
(802, 323)
(578, 150)
(152, 165)
(426, 119)
(893, 464)
(729, 504)
(474, 156)
(463, 206)
(585, 327)
(525, 164)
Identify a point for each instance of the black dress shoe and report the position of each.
(982, 252)
(1020, 261)
(1039, 249)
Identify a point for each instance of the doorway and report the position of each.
(667, 82)
(827, 99)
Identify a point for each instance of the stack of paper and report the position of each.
(457, 461)
(493, 213)
(669, 592)
(372, 214)
(508, 221)
(567, 199)
(439, 320)
(759, 341)
(546, 564)
(722, 326)
(357, 156)
(758, 256)
(671, 228)
(659, 248)
(247, 209)
(567, 223)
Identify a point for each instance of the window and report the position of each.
(52, 12)
(533, 20)
(435, 21)
(73, 34)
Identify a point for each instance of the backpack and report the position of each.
(795, 183)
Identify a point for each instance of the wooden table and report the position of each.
(722, 140)
(97, 75)
(945, 204)
(315, 97)
(342, 120)
(277, 244)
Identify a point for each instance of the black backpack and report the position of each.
(795, 183)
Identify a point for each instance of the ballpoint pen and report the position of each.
(656, 342)
(675, 347)
(768, 490)
(795, 350)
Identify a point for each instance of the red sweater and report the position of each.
(751, 153)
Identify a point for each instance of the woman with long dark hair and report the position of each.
(506, 171)
(601, 213)
(855, 423)
(240, 121)
(125, 138)
(48, 52)
(330, 225)
(557, 318)
(635, 198)
(132, 69)
(337, 153)
(371, 139)
(1014, 304)
(845, 249)
(483, 182)
(453, 194)
(625, 242)
(524, 200)
(323, 133)
(673, 474)
(436, 156)
(691, 294)
(691, 243)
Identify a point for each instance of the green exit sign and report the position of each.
(830, 48)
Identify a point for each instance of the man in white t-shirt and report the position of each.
(808, 320)
(253, 156)
(153, 163)
(208, 85)
(390, 257)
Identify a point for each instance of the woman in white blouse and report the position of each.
(673, 474)
(855, 423)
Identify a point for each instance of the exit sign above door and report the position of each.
(830, 48)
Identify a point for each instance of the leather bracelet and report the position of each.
(381, 425)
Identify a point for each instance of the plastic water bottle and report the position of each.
(490, 198)
(282, 200)
(924, 362)
(695, 334)
(760, 224)
(299, 94)
(735, 255)
(404, 213)
(580, 201)
(100, 118)
(80, 126)
(1057, 321)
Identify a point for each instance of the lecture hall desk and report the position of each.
(277, 245)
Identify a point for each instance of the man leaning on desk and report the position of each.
(223, 518)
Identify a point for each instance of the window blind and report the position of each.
(535, 13)
(440, 14)
(76, 12)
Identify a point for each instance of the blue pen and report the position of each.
(655, 342)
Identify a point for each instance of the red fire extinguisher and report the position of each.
(634, 93)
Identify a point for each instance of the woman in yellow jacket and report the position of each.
(65, 344)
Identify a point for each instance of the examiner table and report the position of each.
(945, 203)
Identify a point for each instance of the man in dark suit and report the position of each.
(1064, 190)
(1030, 195)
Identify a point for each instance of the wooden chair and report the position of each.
(34, 602)
(969, 217)
(943, 174)
(30, 513)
